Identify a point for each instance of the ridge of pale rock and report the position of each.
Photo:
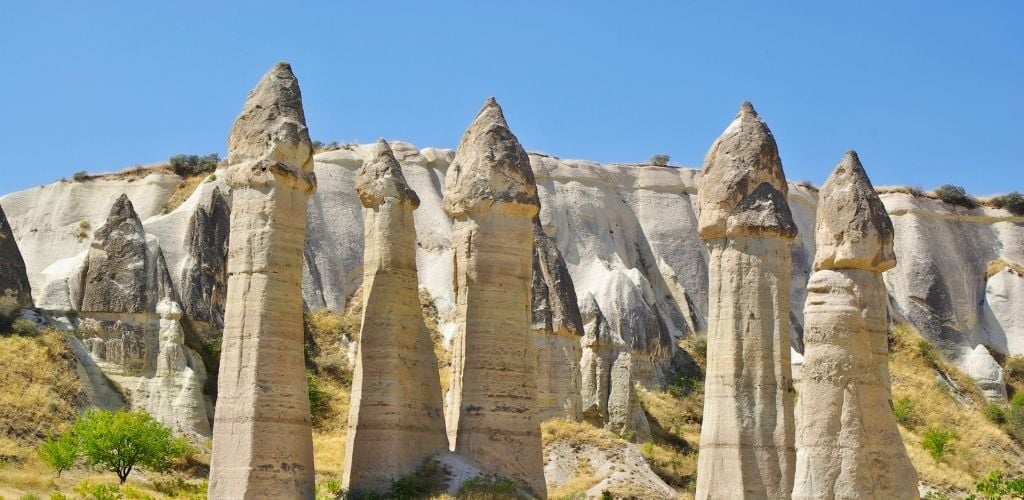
(845, 383)
(492, 400)
(490, 167)
(262, 435)
(556, 330)
(853, 229)
(740, 160)
(15, 290)
(381, 177)
(747, 439)
(396, 417)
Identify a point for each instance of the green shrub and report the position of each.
(123, 440)
(92, 491)
(956, 195)
(938, 441)
(60, 453)
(683, 386)
(1015, 368)
(995, 413)
(23, 327)
(1013, 202)
(927, 351)
(80, 176)
(179, 487)
(190, 165)
(56, 495)
(996, 486)
(659, 160)
(328, 490)
(488, 486)
(905, 411)
(319, 399)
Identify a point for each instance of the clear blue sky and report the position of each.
(927, 92)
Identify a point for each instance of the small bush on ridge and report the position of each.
(956, 195)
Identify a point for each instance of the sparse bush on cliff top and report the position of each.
(190, 165)
(1013, 202)
(659, 160)
(80, 176)
(956, 195)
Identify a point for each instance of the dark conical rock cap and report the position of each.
(490, 168)
(122, 218)
(763, 212)
(381, 177)
(853, 229)
(740, 160)
(271, 131)
(15, 290)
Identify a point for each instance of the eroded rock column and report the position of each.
(491, 194)
(747, 439)
(848, 444)
(262, 440)
(397, 410)
(15, 291)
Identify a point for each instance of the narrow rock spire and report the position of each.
(396, 418)
(491, 194)
(845, 375)
(747, 440)
(15, 290)
(262, 437)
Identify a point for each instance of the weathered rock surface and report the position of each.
(491, 194)
(124, 271)
(747, 439)
(262, 439)
(556, 331)
(204, 271)
(174, 395)
(986, 371)
(848, 444)
(619, 469)
(15, 290)
(396, 419)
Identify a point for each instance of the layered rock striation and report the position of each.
(747, 439)
(848, 444)
(491, 194)
(262, 439)
(396, 417)
(15, 290)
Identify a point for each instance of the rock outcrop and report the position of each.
(174, 395)
(556, 331)
(262, 438)
(124, 271)
(15, 290)
(848, 444)
(396, 417)
(491, 194)
(204, 271)
(747, 440)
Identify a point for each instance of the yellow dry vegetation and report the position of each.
(183, 190)
(329, 438)
(998, 265)
(979, 447)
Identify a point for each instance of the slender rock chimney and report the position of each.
(396, 417)
(491, 194)
(262, 439)
(848, 443)
(747, 440)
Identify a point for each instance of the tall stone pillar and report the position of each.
(397, 411)
(747, 439)
(848, 444)
(262, 439)
(491, 194)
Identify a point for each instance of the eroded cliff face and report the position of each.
(602, 218)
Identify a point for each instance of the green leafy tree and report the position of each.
(124, 440)
(59, 452)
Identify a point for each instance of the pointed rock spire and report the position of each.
(381, 177)
(15, 291)
(116, 274)
(853, 229)
(740, 160)
(269, 141)
(490, 167)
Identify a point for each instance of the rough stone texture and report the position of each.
(124, 272)
(986, 371)
(742, 158)
(262, 439)
(174, 395)
(491, 195)
(15, 290)
(556, 331)
(848, 444)
(204, 272)
(747, 440)
(609, 398)
(396, 417)
(619, 469)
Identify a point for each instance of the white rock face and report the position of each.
(985, 370)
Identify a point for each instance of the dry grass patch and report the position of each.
(998, 265)
(43, 394)
(979, 446)
(184, 189)
(579, 434)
